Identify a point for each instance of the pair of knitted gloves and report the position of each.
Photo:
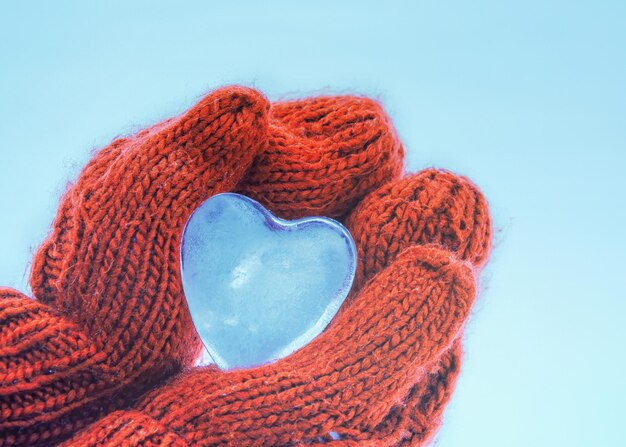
(104, 355)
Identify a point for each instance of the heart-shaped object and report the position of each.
(259, 287)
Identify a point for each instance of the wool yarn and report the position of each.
(88, 359)
(323, 155)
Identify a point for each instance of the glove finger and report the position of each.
(49, 372)
(154, 179)
(348, 379)
(323, 155)
(112, 262)
(430, 207)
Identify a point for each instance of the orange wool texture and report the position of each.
(104, 355)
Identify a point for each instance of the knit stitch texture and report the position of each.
(104, 355)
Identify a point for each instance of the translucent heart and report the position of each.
(260, 287)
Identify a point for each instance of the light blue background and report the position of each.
(526, 98)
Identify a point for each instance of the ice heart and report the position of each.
(260, 287)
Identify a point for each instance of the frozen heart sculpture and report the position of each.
(259, 287)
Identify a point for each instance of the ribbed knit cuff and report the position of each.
(127, 428)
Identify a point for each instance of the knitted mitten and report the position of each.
(110, 320)
(379, 374)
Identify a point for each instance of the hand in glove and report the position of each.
(111, 320)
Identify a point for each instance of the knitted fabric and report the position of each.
(110, 321)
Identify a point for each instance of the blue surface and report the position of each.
(526, 98)
(260, 287)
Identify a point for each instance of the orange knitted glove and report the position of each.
(116, 323)
(111, 319)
